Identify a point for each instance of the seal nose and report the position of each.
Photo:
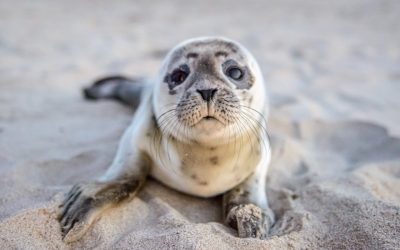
(207, 94)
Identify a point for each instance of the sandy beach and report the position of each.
(333, 74)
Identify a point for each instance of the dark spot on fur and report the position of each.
(214, 160)
(203, 183)
(213, 148)
(221, 53)
(193, 176)
(192, 55)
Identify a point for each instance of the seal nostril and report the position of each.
(207, 94)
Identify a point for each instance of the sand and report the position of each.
(333, 71)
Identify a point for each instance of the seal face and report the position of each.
(208, 87)
(199, 127)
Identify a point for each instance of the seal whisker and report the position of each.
(254, 124)
(264, 129)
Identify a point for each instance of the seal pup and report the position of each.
(199, 128)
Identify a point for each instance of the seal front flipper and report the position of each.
(86, 202)
(123, 89)
(246, 209)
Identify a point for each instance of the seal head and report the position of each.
(208, 91)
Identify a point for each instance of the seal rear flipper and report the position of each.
(121, 88)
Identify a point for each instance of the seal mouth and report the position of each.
(209, 119)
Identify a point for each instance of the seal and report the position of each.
(199, 128)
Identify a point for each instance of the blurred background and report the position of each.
(339, 58)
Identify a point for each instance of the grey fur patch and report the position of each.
(216, 43)
(206, 65)
(204, 69)
(213, 44)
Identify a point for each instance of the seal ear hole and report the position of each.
(178, 76)
(235, 73)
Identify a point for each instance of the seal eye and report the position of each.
(235, 73)
(178, 76)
